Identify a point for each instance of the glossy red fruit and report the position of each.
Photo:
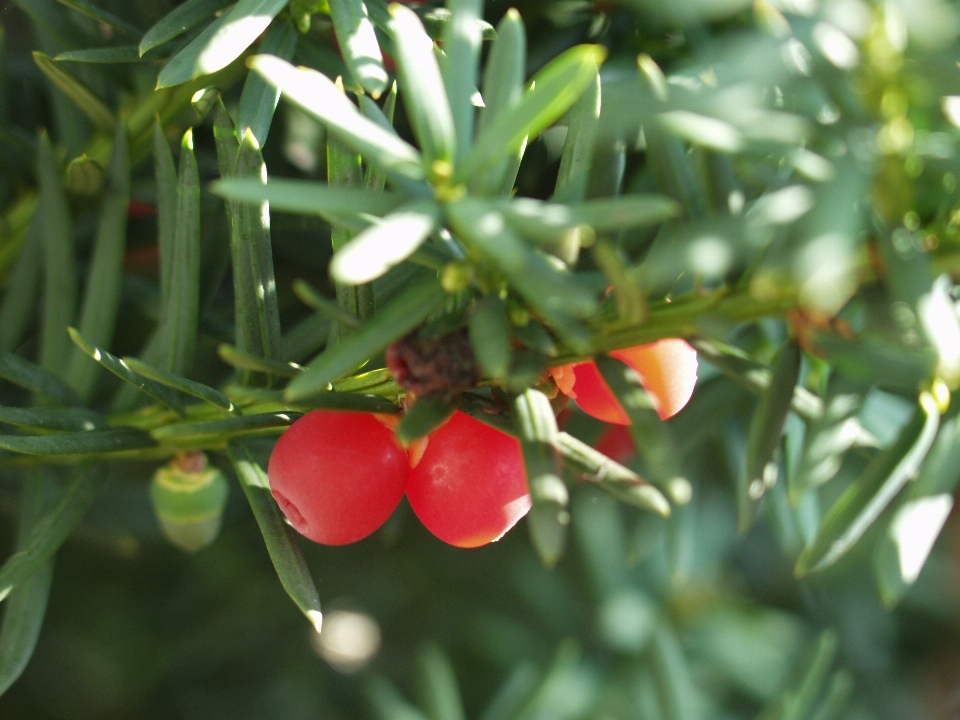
(667, 369)
(469, 487)
(337, 476)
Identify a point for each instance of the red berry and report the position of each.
(469, 487)
(667, 369)
(337, 476)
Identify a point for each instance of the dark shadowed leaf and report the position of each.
(279, 538)
(404, 313)
(179, 20)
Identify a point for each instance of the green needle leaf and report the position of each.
(60, 279)
(387, 702)
(218, 432)
(553, 91)
(358, 43)
(35, 379)
(107, 55)
(254, 286)
(181, 316)
(328, 308)
(861, 503)
(798, 703)
(422, 88)
(103, 16)
(548, 519)
(502, 89)
(612, 477)
(352, 402)
(316, 95)
(254, 363)
(558, 296)
(545, 219)
(179, 20)
(84, 98)
(102, 301)
(918, 518)
(345, 169)
(53, 419)
(93, 442)
(766, 427)
(280, 538)
(503, 74)
(595, 467)
(20, 300)
(652, 438)
(672, 675)
(437, 684)
(462, 37)
(258, 101)
(577, 157)
(827, 439)
(117, 366)
(26, 604)
(335, 204)
(181, 384)
(427, 414)
(222, 42)
(877, 360)
(53, 527)
(378, 248)
(375, 179)
(754, 376)
(166, 177)
(402, 315)
(490, 337)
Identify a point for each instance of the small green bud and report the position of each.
(456, 276)
(85, 176)
(519, 315)
(188, 498)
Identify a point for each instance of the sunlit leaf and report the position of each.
(318, 96)
(222, 42)
(553, 90)
(385, 244)
(422, 87)
(358, 43)
(179, 20)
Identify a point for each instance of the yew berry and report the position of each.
(667, 369)
(337, 476)
(469, 487)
